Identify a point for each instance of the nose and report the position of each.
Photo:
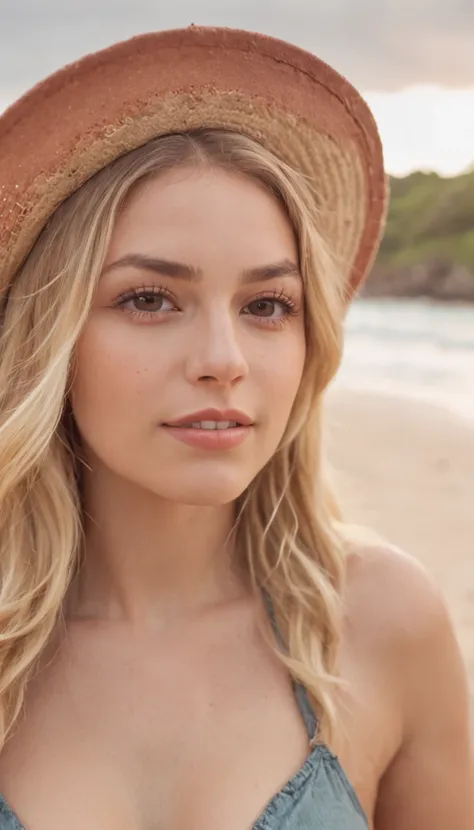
(215, 354)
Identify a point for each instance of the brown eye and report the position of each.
(149, 301)
(152, 302)
(270, 308)
(262, 308)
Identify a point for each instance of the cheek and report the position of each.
(113, 379)
(279, 377)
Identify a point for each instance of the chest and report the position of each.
(145, 735)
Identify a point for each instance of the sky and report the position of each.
(413, 60)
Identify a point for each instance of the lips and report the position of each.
(208, 416)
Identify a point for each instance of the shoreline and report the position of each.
(450, 302)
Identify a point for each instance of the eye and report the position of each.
(153, 301)
(265, 308)
(271, 308)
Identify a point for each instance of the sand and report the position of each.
(407, 470)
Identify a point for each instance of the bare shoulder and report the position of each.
(392, 595)
(402, 622)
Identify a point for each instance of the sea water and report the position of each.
(415, 349)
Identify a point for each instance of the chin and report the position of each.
(200, 499)
(208, 490)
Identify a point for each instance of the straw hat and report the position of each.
(91, 112)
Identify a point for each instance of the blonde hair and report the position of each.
(288, 524)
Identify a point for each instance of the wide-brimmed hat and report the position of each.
(89, 113)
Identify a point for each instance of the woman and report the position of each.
(190, 636)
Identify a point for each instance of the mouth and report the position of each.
(207, 425)
(211, 429)
(212, 419)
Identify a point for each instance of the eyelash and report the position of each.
(289, 306)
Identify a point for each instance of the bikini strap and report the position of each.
(300, 691)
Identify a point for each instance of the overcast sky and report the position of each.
(377, 44)
(412, 59)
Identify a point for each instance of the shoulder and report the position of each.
(399, 619)
(391, 594)
(402, 623)
(397, 615)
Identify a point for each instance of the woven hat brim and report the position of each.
(91, 112)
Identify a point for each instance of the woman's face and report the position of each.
(199, 307)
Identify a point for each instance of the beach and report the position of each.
(406, 468)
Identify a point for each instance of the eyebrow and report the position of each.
(180, 271)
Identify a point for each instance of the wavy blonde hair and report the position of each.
(288, 527)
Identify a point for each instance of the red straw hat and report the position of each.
(91, 112)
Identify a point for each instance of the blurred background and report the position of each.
(401, 410)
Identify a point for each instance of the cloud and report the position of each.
(426, 128)
(377, 44)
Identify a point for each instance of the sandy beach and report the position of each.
(407, 470)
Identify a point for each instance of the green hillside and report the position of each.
(431, 219)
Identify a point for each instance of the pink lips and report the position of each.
(212, 415)
(211, 439)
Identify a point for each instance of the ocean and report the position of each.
(414, 349)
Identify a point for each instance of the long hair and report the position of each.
(288, 527)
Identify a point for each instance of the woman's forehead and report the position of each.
(194, 219)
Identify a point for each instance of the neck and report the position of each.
(150, 561)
